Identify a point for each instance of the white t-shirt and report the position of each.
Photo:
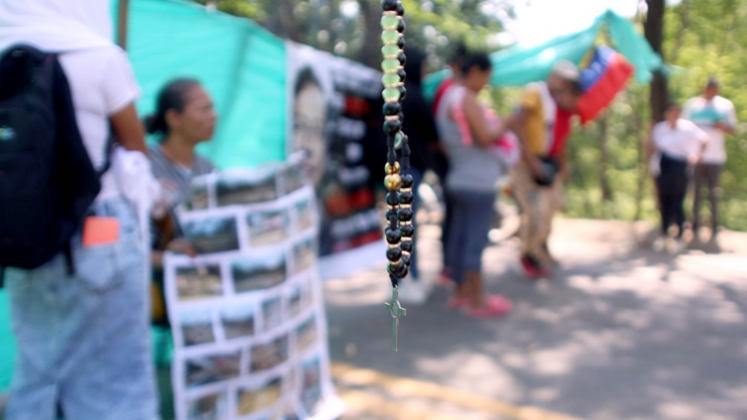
(706, 114)
(680, 142)
(102, 83)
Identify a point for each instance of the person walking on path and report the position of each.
(420, 128)
(543, 125)
(715, 115)
(83, 339)
(467, 136)
(680, 144)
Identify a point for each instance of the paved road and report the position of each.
(618, 333)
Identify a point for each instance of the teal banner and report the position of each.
(519, 65)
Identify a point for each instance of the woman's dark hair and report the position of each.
(171, 96)
(672, 104)
(460, 51)
(475, 59)
(306, 76)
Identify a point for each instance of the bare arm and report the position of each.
(129, 130)
(474, 113)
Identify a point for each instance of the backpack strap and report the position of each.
(67, 252)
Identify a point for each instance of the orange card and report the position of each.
(100, 231)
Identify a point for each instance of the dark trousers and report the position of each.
(473, 211)
(672, 183)
(707, 175)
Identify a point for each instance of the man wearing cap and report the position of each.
(715, 115)
(543, 124)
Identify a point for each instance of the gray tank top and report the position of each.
(471, 168)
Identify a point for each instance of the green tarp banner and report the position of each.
(240, 64)
(518, 65)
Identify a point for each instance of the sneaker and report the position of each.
(532, 269)
(412, 292)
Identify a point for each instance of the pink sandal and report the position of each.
(496, 306)
(457, 303)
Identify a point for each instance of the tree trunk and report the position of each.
(123, 23)
(370, 53)
(604, 182)
(654, 28)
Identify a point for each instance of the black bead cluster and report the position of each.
(400, 196)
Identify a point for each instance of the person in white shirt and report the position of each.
(83, 340)
(679, 144)
(715, 115)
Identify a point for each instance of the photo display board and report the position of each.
(247, 314)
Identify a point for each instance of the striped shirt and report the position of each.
(175, 175)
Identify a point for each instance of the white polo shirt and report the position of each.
(101, 83)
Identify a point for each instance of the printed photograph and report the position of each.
(304, 215)
(197, 327)
(209, 407)
(246, 187)
(238, 321)
(294, 302)
(268, 355)
(258, 273)
(212, 235)
(311, 388)
(198, 194)
(301, 298)
(214, 368)
(306, 334)
(250, 400)
(203, 282)
(272, 313)
(267, 227)
(304, 254)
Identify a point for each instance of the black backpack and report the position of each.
(47, 180)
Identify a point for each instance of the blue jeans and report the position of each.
(470, 225)
(83, 340)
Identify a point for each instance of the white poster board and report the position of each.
(250, 332)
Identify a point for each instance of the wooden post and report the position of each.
(122, 23)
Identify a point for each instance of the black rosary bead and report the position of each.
(404, 215)
(401, 26)
(402, 58)
(407, 231)
(393, 236)
(406, 246)
(392, 198)
(406, 197)
(402, 75)
(406, 260)
(392, 127)
(407, 181)
(392, 108)
(398, 270)
(391, 213)
(390, 5)
(401, 43)
(393, 254)
(402, 93)
(400, 9)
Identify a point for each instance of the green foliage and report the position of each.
(702, 38)
(432, 25)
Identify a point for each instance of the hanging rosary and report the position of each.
(400, 196)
